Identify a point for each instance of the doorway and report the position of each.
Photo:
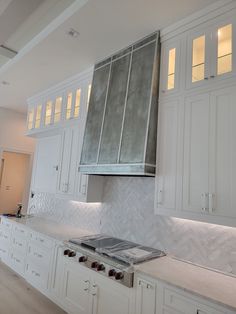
(15, 173)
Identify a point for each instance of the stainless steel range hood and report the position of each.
(121, 127)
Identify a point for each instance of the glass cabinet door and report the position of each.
(58, 110)
(69, 106)
(38, 116)
(48, 113)
(198, 58)
(224, 49)
(170, 66)
(30, 120)
(77, 103)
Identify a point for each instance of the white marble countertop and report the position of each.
(205, 283)
(50, 228)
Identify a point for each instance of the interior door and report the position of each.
(14, 171)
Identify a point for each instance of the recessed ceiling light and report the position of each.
(73, 33)
(5, 83)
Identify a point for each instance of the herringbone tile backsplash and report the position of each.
(127, 212)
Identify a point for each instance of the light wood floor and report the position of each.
(18, 297)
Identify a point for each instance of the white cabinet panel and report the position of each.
(69, 160)
(145, 297)
(47, 164)
(167, 156)
(222, 188)
(75, 292)
(196, 153)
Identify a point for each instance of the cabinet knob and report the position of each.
(212, 76)
(206, 78)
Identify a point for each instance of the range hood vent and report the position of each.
(121, 127)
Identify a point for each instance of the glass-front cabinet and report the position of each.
(54, 110)
(211, 54)
(170, 66)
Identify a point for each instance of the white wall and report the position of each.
(12, 130)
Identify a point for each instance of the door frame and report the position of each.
(28, 179)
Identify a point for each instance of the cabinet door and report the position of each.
(75, 291)
(222, 196)
(199, 47)
(46, 164)
(196, 153)
(145, 297)
(170, 67)
(110, 297)
(167, 156)
(68, 160)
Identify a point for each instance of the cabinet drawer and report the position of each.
(41, 240)
(6, 224)
(20, 231)
(38, 276)
(39, 255)
(4, 253)
(185, 305)
(17, 262)
(19, 244)
(5, 238)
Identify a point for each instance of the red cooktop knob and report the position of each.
(119, 276)
(82, 259)
(71, 254)
(94, 264)
(100, 267)
(111, 272)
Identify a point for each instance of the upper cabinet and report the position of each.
(199, 56)
(60, 106)
(211, 53)
(197, 118)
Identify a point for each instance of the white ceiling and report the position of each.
(105, 26)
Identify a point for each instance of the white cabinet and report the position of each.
(200, 154)
(145, 296)
(82, 291)
(89, 188)
(75, 289)
(68, 160)
(167, 155)
(211, 52)
(196, 153)
(46, 164)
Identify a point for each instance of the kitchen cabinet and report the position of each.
(211, 52)
(145, 296)
(68, 161)
(46, 164)
(59, 106)
(80, 290)
(171, 66)
(167, 155)
(156, 297)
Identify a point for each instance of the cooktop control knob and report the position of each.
(119, 276)
(111, 273)
(66, 252)
(82, 259)
(100, 267)
(94, 265)
(71, 254)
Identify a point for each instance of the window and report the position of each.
(38, 116)
(224, 55)
(69, 106)
(57, 114)
(77, 103)
(198, 59)
(171, 69)
(48, 113)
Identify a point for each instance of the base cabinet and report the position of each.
(156, 297)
